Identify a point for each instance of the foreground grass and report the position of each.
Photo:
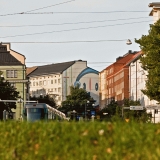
(79, 141)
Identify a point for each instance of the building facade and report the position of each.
(114, 81)
(56, 79)
(137, 82)
(12, 64)
(155, 12)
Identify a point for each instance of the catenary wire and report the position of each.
(76, 29)
(11, 14)
(110, 20)
(87, 41)
(81, 12)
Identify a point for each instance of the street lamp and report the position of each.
(74, 112)
(128, 42)
(85, 109)
(20, 114)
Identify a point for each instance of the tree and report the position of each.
(7, 92)
(150, 60)
(77, 99)
(44, 99)
(109, 111)
(137, 115)
(114, 112)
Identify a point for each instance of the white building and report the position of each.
(137, 81)
(56, 79)
(155, 12)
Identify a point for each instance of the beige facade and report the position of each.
(155, 12)
(16, 75)
(103, 89)
(58, 84)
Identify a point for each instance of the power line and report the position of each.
(26, 12)
(48, 6)
(87, 62)
(67, 30)
(81, 12)
(72, 41)
(72, 23)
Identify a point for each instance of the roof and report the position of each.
(51, 69)
(155, 6)
(30, 70)
(137, 56)
(6, 58)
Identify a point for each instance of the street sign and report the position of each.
(152, 107)
(93, 113)
(136, 107)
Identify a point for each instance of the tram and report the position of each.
(40, 111)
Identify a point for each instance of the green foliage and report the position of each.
(44, 99)
(115, 112)
(77, 99)
(137, 115)
(79, 141)
(109, 111)
(150, 60)
(7, 92)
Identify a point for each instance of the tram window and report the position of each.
(33, 110)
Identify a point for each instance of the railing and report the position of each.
(57, 112)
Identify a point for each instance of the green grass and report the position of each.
(79, 141)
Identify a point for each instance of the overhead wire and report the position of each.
(85, 41)
(82, 12)
(37, 25)
(27, 12)
(75, 29)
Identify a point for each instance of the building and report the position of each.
(56, 79)
(114, 81)
(137, 82)
(12, 64)
(155, 12)
(102, 88)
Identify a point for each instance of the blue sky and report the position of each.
(122, 20)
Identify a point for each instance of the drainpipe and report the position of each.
(136, 80)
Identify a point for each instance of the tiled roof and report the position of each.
(30, 70)
(6, 58)
(51, 69)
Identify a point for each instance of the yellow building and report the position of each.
(12, 64)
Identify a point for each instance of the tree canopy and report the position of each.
(150, 60)
(77, 99)
(44, 99)
(7, 92)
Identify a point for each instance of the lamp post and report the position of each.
(20, 112)
(85, 110)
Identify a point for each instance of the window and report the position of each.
(51, 81)
(40, 83)
(59, 89)
(12, 73)
(55, 81)
(44, 82)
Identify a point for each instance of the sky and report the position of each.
(56, 31)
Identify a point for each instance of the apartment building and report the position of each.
(56, 79)
(155, 12)
(12, 64)
(114, 80)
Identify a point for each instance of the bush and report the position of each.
(79, 141)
